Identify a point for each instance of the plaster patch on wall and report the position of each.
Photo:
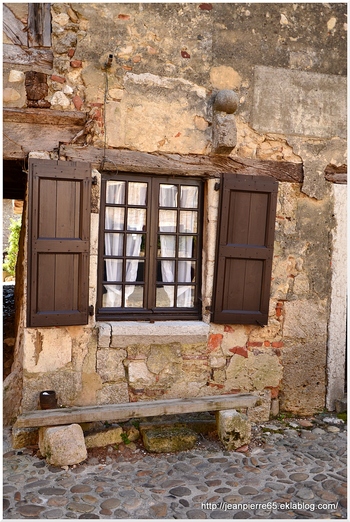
(223, 77)
(46, 350)
(38, 343)
(294, 102)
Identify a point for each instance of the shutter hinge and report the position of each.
(217, 186)
(94, 180)
(208, 308)
(91, 310)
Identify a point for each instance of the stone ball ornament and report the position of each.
(226, 101)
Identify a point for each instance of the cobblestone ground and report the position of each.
(294, 472)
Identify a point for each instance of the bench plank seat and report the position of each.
(131, 410)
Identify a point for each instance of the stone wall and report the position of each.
(287, 63)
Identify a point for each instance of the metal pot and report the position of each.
(48, 400)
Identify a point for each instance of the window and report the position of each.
(150, 248)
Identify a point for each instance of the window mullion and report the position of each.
(152, 233)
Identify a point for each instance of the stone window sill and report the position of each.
(126, 333)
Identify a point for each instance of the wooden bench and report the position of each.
(133, 410)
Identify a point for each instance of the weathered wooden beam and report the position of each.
(41, 58)
(336, 174)
(39, 25)
(14, 28)
(133, 410)
(185, 164)
(28, 130)
(44, 116)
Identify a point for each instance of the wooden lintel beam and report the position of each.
(336, 174)
(133, 410)
(44, 116)
(184, 164)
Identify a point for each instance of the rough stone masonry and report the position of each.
(286, 64)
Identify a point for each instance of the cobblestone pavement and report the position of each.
(297, 472)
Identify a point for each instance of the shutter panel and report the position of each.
(245, 249)
(58, 242)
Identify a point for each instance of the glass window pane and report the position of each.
(136, 219)
(185, 246)
(114, 270)
(134, 243)
(140, 270)
(114, 244)
(114, 218)
(137, 193)
(133, 296)
(167, 246)
(166, 271)
(131, 269)
(188, 197)
(112, 296)
(115, 192)
(188, 221)
(185, 296)
(165, 296)
(168, 195)
(186, 271)
(167, 220)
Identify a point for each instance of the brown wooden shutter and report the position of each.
(245, 249)
(58, 242)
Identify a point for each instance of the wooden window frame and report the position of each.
(150, 312)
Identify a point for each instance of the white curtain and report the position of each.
(188, 199)
(114, 241)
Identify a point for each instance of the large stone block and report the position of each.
(113, 393)
(22, 437)
(105, 437)
(169, 112)
(255, 372)
(304, 319)
(300, 103)
(104, 335)
(234, 429)
(224, 133)
(261, 411)
(164, 440)
(303, 386)
(110, 364)
(63, 445)
(67, 385)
